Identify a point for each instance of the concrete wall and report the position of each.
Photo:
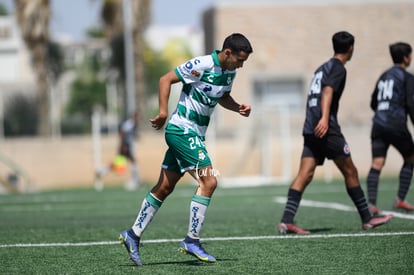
(68, 162)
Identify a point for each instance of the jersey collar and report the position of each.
(215, 57)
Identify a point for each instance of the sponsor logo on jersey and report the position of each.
(188, 65)
(207, 88)
(195, 73)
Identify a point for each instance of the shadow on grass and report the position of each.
(320, 230)
(194, 262)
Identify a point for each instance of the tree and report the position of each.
(20, 115)
(3, 10)
(33, 19)
(141, 14)
(113, 19)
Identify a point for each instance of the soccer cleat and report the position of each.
(285, 228)
(376, 221)
(399, 204)
(194, 248)
(132, 246)
(373, 209)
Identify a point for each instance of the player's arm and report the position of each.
(410, 96)
(163, 95)
(326, 100)
(227, 101)
(374, 99)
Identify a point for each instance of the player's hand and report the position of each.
(321, 128)
(245, 110)
(158, 121)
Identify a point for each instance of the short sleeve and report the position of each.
(191, 71)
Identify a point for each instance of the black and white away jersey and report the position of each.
(332, 73)
(392, 99)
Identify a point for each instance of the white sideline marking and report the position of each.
(341, 207)
(251, 238)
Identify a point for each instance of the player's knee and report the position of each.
(306, 178)
(351, 173)
(209, 182)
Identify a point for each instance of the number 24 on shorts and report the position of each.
(195, 142)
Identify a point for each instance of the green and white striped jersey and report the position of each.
(204, 83)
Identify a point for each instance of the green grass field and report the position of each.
(76, 231)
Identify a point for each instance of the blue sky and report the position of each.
(73, 17)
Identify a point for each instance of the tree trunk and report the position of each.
(33, 19)
(42, 89)
(141, 15)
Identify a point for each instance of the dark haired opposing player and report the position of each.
(323, 138)
(391, 100)
(207, 80)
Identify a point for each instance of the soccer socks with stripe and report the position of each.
(198, 210)
(149, 207)
(372, 185)
(406, 174)
(292, 206)
(357, 196)
(134, 173)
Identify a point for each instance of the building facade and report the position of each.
(290, 40)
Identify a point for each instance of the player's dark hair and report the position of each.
(342, 41)
(237, 42)
(398, 51)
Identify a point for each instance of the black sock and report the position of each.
(372, 185)
(406, 173)
(292, 206)
(357, 196)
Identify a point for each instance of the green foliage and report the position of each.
(54, 60)
(21, 116)
(88, 90)
(156, 63)
(117, 60)
(176, 51)
(155, 67)
(86, 93)
(95, 32)
(3, 10)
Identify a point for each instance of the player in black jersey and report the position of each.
(391, 101)
(323, 138)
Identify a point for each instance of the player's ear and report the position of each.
(227, 52)
(407, 60)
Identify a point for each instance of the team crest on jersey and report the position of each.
(347, 150)
(228, 80)
(201, 155)
(195, 73)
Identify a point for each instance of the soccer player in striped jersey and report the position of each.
(323, 138)
(207, 81)
(391, 101)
